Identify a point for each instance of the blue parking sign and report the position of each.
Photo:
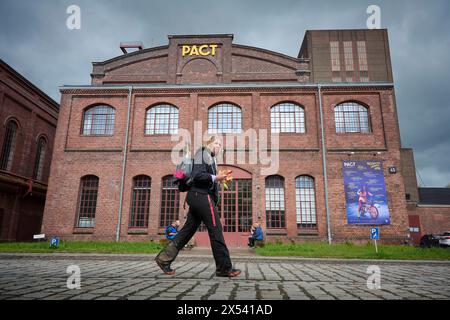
(54, 242)
(375, 233)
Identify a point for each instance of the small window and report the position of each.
(335, 59)
(161, 119)
(9, 143)
(170, 202)
(351, 117)
(348, 55)
(87, 204)
(362, 55)
(305, 202)
(224, 118)
(40, 157)
(140, 205)
(275, 209)
(287, 117)
(98, 120)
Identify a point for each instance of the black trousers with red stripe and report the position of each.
(201, 209)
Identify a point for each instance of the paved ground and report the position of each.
(136, 277)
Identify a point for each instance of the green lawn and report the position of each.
(352, 251)
(82, 246)
(307, 250)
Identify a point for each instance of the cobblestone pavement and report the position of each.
(138, 278)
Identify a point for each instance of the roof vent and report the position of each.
(131, 45)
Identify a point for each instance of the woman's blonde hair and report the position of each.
(210, 140)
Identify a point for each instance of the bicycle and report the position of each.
(369, 207)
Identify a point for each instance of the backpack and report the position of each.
(182, 175)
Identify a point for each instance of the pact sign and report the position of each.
(199, 50)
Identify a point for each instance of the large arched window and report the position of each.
(287, 117)
(161, 119)
(98, 120)
(40, 157)
(224, 118)
(87, 202)
(351, 117)
(275, 209)
(305, 200)
(140, 202)
(170, 202)
(8, 147)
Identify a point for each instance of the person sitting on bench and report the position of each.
(256, 234)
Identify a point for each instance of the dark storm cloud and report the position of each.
(35, 41)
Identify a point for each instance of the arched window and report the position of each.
(87, 202)
(275, 210)
(40, 157)
(305, 200)
(224, 118)
(99, 120)
(161, 119)
(140, 202)
(351, 117)
(8, 147)
(287, 117)
(170, 202)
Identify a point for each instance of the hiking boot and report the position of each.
(165, 268)
(230, 274)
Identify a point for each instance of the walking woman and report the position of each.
(202, 199)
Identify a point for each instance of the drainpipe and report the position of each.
(324, 163)
(124, 162)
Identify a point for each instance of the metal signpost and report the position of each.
(54, 242)
(375, 235)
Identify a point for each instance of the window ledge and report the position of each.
(290, 133)
(138, 231)
(306, 232)
(272, 232)
(354, 133)
(96, 135)
(78, 230)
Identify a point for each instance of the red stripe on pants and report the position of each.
(212, 211)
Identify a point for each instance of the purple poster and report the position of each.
(365, 193)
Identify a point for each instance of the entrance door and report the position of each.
(414, 229)
(235, 211)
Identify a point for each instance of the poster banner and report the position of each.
(365, 193)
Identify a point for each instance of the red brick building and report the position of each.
(28, 123)
(428, 208)
(111, 171)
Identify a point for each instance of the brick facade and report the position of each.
(22, 196)
(251, 78)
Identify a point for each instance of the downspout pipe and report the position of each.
(124, 163)
(324, 163)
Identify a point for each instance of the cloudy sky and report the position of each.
(35, 41)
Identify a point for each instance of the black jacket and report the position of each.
(202, 172)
